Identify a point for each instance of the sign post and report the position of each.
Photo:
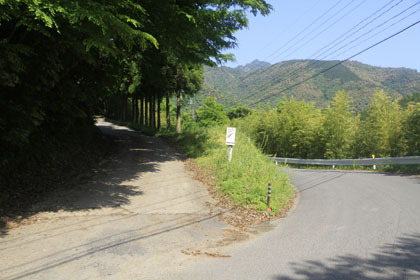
(374, 166)
(230, 141)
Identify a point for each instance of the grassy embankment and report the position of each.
(245, 180)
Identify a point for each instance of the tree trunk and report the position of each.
(168, 112)
(126, 108)
(152, 112)
(123, 108)
(136, 111)
(158, 112)
(133, 108)
(178, 110)
(121, 112)
(142, 110)
(146, 111)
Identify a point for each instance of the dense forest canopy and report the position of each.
(61, 62)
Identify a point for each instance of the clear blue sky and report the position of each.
(282, 36)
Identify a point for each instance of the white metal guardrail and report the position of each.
(361, 161)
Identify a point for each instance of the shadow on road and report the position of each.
(3, 229)
(108, 183)
(128, 237)
(400, 260)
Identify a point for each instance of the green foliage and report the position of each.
(297, 130)
(338, 127)
(357, 79)
(61, 62)
(380, 132)
(410, 99)
(291, 130)
(246, 178)
(300, 125)
(239, 112)
(211, 113)
(412, 128)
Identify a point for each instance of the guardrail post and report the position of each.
(269, 197)
(374, 166)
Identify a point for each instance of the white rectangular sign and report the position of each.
(230, 136)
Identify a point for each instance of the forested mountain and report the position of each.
(260, 80)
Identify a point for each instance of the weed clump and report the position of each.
(245, 179)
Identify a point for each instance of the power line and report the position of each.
(297, 70)
(294, 22)
(354, 40)
(376, 27)
(306, 28)
(379, 16)
(295, 49)
(376, 34)
(338, 63)
(315, 61)
(317, 58)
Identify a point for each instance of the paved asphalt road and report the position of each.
(345, 225)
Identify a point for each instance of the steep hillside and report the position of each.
(248, 84)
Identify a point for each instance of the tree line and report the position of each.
(62, 62)
(297, 129)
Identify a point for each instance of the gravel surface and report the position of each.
(140, 216)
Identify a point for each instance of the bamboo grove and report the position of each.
(297, 129)
(62, 62)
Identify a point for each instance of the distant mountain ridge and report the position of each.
(254, 65)
(246, 85)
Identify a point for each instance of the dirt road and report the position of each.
(140, 216)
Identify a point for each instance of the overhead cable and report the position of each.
(338, 63)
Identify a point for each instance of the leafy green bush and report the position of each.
(211, 113)
(239, 112)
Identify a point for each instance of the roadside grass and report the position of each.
(246, 178)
